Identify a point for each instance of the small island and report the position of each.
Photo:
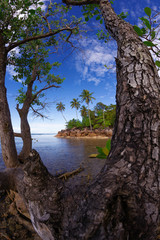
(85, 133)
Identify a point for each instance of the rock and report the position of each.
(85, 133)
(92, 134)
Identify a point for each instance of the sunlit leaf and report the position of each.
(149, 43)
(105, 150)
(147, 11)
(108, 144)
(157, 63)
(138, 30)
(153, 34)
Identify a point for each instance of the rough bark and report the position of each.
(23, 114)
(25, 135)
(6, 131)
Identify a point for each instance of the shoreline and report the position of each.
(85, 133)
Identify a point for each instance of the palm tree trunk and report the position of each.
(76, 114)
(103, 119)
(89, 118)
(64, 116)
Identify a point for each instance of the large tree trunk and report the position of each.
(9, 152)
(23, 114)
(25, 135)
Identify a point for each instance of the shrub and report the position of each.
(74, 123)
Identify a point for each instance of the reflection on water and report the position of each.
(60, 154)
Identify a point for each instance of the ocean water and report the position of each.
(65, 154)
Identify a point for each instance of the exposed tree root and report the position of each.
(70, 174)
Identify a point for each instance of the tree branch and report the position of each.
(79, 3)
(16, 44)
(36, 112)
(43, 89)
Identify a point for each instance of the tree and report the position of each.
(33, 70)
(87, 97)
(21, 22)
(100, 109)
(60, 108)
(123, 201)
(100, 106)
(75, 104)
(83, 111)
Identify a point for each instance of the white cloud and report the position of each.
(91, 63)
(10, 70)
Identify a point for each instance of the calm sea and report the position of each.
(61, 154)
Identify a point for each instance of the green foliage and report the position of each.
(22, 96)
(157, 63)
(147, 11)
(85, 122)
(84, 111)
(86, 96)
(149, 43)
(103, 152)
(103, 116)
(32, 67)
(74, 124)
(60, 107)
(138, 31)
(149, 32)
(18, 20)
(123, 15)
(75, 103)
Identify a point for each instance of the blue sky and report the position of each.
(83, 69)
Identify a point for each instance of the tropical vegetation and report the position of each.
(101, 116)
(87, 97)
(60, 108)
(75, 104)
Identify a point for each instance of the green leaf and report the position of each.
(146, 22)
(32, 11)
(100, 150)
(102, 156)
(149, 44)
(138, 30)
(108, 144)
(98, 17)
(157, 63)
(105, 151)
(153, 34)
(86, 19)
(101, 21)
(40, 3)
(147, 11)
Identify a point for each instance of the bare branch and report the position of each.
(36, 95)
(17, 135)
(37, 113)
(79, 3)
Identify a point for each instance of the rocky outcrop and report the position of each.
(107, 132)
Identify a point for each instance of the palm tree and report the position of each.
(75, 104)
(83, 111)
(87, 97)
(60, 108)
